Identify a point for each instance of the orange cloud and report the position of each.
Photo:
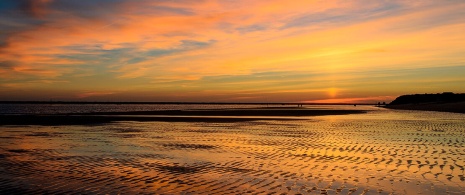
(181, 44)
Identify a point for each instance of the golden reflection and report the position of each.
(347, 153)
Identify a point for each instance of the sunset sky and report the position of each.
(230, 50)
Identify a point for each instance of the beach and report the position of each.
(341, 150)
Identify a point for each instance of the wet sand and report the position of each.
(219, 115)
(380, 152)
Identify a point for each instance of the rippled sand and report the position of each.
(383, 151)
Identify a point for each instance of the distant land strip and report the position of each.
(442, 102)
(185, 103)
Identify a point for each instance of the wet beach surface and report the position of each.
(198, 115)
(379, 152)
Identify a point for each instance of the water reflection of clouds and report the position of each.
(377, 152)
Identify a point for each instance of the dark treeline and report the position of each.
(446, 97)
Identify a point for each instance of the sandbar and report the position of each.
(218, 115)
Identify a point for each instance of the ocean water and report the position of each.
(380, 152)
(86, 108)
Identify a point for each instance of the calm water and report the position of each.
(380, 152)
(83, 108)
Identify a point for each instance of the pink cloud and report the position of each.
(36, 8)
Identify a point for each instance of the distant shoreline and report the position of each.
(441, 102)
(455, 107)
(182, 103)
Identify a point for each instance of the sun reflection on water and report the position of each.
(382, 151)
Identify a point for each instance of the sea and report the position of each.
(382, 151)
(74, 108)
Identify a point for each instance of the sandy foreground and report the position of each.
(379, 152)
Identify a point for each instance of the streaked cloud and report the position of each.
(231, 50)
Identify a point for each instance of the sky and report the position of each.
(230, 50)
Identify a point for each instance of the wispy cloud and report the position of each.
(230, 46)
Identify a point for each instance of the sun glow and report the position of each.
(332, 92)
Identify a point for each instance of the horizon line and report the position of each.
(187, 102)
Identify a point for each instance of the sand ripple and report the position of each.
(324, 155)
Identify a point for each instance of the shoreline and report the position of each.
(183, 103)
(226, 115)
